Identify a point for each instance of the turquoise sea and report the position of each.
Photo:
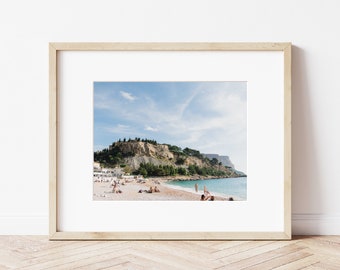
(226, 187)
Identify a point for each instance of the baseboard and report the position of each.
(302, 224)
(315, 224)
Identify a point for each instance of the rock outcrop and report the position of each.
(133, 153)
(145, 149)
(224, 159)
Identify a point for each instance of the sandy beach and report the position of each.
(130, 192)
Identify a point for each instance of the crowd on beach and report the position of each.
(145, 185)
(115, 185)
(115, 179)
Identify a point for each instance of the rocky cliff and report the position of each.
(224, 159)
(145, 149)
(131, 154)
(159, 154)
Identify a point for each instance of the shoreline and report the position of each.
(189, 177)
(102, 191)
(222, 197)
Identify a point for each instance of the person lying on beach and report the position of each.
(210, 198)
(151, 190)
(145, 190)
(116, 190)
(207, 195)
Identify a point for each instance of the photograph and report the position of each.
(170, 141)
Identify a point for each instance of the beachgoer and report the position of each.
(202, 197)
(116, 188)
(148, 191)
(207, 195)
(156, 189)
(196, 187)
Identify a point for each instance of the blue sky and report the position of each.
(208, 116)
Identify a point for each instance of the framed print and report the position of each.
(170, 141)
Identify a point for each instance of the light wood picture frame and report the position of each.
(55, 149)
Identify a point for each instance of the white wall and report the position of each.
(26, 27)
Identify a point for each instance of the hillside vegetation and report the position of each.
(149, 158)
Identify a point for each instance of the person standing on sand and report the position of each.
(196, 187)
(116, 188)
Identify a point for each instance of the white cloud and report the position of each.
(127, 96)
(148, 128)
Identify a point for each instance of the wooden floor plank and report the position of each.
(185, 253)
(246, 259)
(193, 247)
(299, 264)
(227, 252)
(313, 267)
(104, 260)
(103, 264)
(328, 265)
(279, 261)
(169, 258)
(321, 247)
(2, 267)
(146, 263)
(224, 245)
(65, 258)
(10, 259)
(182, 258)
(54, 249)
(126, 266)
(20, 244)
(36, 252)
(265, 252)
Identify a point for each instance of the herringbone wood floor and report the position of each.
(36, 252)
